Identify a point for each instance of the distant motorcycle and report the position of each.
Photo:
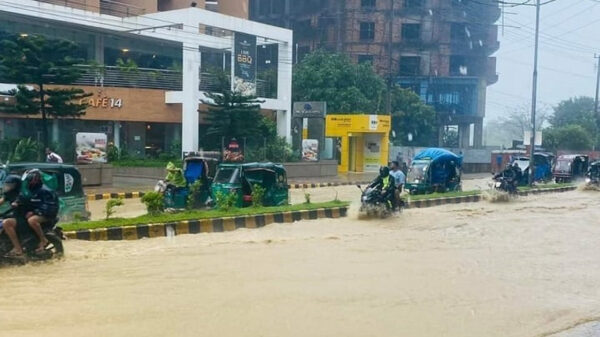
(504, 184)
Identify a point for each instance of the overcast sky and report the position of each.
(570, 34)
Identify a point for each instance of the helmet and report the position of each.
(11, 186)
(384, 171)
(515, 165)
(33, 179)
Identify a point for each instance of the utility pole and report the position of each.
(388, 103)
(597, 86)
(534, 92)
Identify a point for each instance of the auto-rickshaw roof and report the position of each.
(438, 154)
(270, 166)
(571, 157)
(42, 166)
(596, 163)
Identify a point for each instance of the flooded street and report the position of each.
(526, 268)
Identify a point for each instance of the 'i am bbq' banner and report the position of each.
(244, 80)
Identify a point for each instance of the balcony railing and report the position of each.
(111, 76)
(210, 83)
(109, 7)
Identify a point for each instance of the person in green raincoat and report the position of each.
(175, 176)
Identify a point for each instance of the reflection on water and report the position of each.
(524, 268)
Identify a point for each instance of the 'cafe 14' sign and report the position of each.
(103, 102)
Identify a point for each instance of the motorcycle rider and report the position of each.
(512, 174)
(387, 185)
(40, 205)
(10, 192)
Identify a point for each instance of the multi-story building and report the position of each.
(149, 64)
(440, 48)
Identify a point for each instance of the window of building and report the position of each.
(411, 31)
(264, 7)
(277, 7)
(413, 3)
(365, 59)
(367, 3)
(367, 30)
(458, 32)
(410, 66)
(458, 66)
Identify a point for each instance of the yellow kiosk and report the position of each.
(362, 141)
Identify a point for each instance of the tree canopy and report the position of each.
(411, 115)
(574, 125)
(345, 86)
(33, 62)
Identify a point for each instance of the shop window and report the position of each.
(411, 31)
(365, 59)
(264, 7)
(410, 66)
(367, 3)
(413, 3)
(367, 30)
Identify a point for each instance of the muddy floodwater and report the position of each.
(525, 268)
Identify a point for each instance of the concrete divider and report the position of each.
(203, 225)
(476, 198)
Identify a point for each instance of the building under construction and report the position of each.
(439, 48)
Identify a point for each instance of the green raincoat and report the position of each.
(175, 175)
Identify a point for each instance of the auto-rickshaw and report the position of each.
(241, 178)
(195, 167)
(434, 170)
(569, 167)
(64, 179)
(543, 167)
(592, 176)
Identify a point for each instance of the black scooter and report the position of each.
(29, 242)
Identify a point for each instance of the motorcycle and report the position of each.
(503, 184)
(373, 203)
(29, 242)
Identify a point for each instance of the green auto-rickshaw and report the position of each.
(241, 178)
(64, 179)
(434, 170)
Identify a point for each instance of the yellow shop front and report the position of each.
(362, 141)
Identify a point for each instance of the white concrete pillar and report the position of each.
(284, 90)
(117, 134)
(478, 134)
(191, 98)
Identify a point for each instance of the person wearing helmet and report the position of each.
(10, 192)
(386, 184)
(40, 203)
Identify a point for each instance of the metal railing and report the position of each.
(111, 76)
(109, 7)
(209, 82)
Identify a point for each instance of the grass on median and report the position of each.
(452, 194)
(197, 215)
(545, 186)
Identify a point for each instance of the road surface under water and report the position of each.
(526, 268)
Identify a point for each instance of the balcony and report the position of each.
(120, 9)
(111, 76)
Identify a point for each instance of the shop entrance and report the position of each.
(352, 154)
(155, 139)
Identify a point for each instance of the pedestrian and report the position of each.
(52, 157)
(399, 177)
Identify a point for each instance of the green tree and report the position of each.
(232, 114)
(345, 86)
(576, 111)
(569, 137)
(35, 62)
(411, 115)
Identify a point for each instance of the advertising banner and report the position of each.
(372, 154)
(90, 147)
(232, 151)
(244, 80)
(310, 150)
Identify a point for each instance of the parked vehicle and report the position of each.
(64, 179)
(543, 167)
(434, 170)
(195, 167)
(29, 241)
(570, 167)
(241, 178)
(592, 176)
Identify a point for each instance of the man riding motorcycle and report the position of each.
(512, 174)
(387, 185)
(10, 192)
(39, 205)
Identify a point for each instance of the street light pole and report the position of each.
(534, 92)
(597, 87)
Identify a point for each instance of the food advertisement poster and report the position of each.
(310, 150)
(245, 64)
(90, 147)
(372, 153)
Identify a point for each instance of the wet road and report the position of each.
(526, 268)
